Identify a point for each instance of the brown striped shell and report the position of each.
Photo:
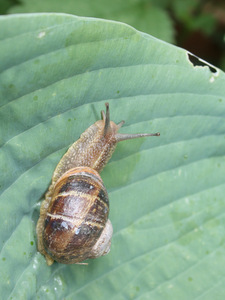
(73, 223)
(76, 216)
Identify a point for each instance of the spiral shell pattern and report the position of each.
(76, 215)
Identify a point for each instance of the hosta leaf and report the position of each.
(166, 193)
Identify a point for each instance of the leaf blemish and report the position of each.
(41, 34)
(212, 79)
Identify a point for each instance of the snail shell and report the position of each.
(77, 216)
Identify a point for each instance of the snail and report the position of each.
(73, 225)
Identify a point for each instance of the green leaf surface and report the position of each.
(166, 193)
(146, 16)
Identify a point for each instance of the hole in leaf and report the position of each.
(198, 62)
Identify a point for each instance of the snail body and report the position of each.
(73, 224)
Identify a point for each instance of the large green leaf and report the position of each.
(166, 194)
